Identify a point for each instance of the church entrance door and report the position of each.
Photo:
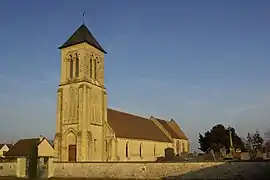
(72, 153)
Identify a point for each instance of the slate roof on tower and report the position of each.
(134, 127)
(82, 34)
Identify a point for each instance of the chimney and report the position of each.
(41, 138)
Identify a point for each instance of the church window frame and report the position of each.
(95, 145)
(155, 150)
(76, 65)
(106, 145)
(91, 67)
(127, 150)
(140, 150)
(95, 68)
(70, 67)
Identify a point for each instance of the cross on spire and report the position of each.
(83, 16)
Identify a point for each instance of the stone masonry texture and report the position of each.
(183, 170)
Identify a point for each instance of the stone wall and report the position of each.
(136, 170)
(126, 170)
(8, 168)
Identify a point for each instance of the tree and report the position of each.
(218, 138)
(204, 141)
(249, 142)
(257, 141)
(254, 141)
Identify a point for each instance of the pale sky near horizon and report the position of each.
(199, 62)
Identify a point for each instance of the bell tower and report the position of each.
(81, 99)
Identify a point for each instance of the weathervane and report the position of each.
(83, 16)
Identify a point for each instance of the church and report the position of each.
(86, 129)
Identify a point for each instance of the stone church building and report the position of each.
(86, 129)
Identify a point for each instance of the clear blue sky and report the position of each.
(200, 62)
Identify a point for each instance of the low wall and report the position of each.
(136, 170)
(126, 170)
(8, 168)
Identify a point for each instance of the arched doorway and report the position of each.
(72, 146)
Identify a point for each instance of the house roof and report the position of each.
(177, 129)
(168, 128)
(8, 145)
(23, 147)
(173, 129)
(82, 34)
(134, 127)
(1, 145)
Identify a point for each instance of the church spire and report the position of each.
(82, 34)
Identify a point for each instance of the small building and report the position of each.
(4, 148)
(24, 148)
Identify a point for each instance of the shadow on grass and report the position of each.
(248, 170)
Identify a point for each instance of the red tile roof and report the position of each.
(134, 127)
(177, 129)
(173, 129)
(168, 128)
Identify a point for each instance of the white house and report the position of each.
(4, 148)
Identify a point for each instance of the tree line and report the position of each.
(219, 138)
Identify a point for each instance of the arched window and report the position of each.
(140, 150)
(95, 68)
(95, 145)
(106, 146)
(71, 67)
(127, 149)
(77, 65)
(91, 67)
(154, 150)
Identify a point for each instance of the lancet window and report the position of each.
(127, 153)
(140, 150)
(71, 67)
(91, 67)
(77, 65)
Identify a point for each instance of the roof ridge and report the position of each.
(162, 119)
(162, 128)
(129, 114)
(29, 139)
(181, 133)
